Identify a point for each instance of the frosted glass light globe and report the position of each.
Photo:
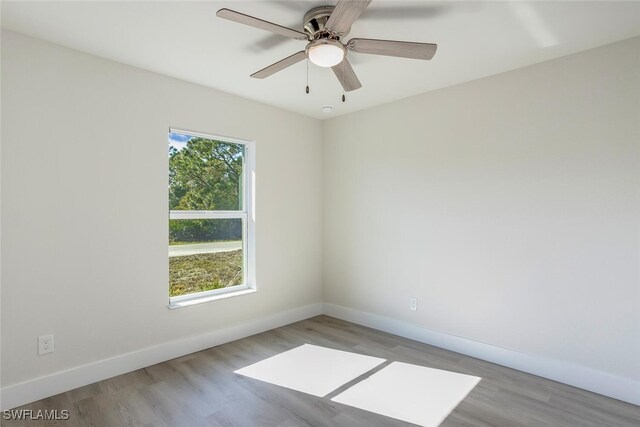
(326, 53)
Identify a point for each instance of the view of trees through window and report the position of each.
(205, 244)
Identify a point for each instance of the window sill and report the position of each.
(200, 299)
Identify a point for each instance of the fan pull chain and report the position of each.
(344, 98)
(307, 89)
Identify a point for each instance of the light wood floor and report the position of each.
(201, 389)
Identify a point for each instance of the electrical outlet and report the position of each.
(413, 304)
(45, 344)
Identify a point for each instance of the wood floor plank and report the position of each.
(202, 389)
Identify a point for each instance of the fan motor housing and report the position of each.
(315, 20)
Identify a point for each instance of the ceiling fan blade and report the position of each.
(232, 15)
(393, 48)
(346, 76)
(345, 14)
(280, 65)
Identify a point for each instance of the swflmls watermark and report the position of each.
(40, 414)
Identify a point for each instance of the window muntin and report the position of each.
(209, 225)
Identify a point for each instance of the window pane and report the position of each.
(205, 254)
(204, 174)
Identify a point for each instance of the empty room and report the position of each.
(320, 213)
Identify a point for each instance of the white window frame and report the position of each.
(247, 214)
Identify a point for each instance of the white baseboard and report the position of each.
(59, 382)
(578, 376)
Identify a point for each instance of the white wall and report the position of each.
(0, 225)
(84, 207)
(509, 206)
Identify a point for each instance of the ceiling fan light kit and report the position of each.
(326, 52)
(324, 28)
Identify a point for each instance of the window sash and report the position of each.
(247, 163)
(207, 214)
(246, 278)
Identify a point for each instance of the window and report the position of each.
(211, 250)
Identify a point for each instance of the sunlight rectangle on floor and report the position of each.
(416, 394)
(311, 369)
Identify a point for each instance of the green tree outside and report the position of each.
(205, 175)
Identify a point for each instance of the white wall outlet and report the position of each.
(45, 344)
(413, 304)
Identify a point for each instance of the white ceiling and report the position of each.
(187, 41)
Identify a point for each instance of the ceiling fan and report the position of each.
(324, 29)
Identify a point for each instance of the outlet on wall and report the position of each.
(413, 304)
(45, 344)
